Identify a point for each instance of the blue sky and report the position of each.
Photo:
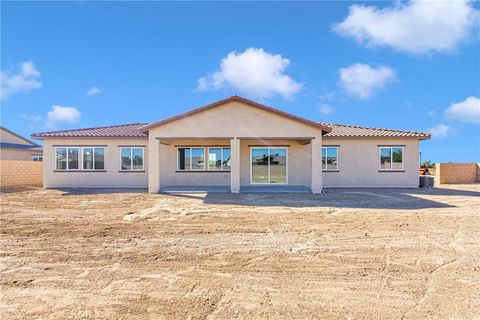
(325, 61)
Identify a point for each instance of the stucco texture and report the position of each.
(110, 177)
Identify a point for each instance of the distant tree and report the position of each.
(427, 164)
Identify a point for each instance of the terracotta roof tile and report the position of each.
(351, 131)
(118, 131)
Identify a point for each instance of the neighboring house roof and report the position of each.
(351, 131)
(29, 142)
(243, 100)
(16, 146)
(118, 131)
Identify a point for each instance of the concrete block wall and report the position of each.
(21, 173)
(457, 173)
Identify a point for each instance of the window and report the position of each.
(37, 157)
(70, 158)
(218, 158)
(67, 158)
(330, 158)
(391, 158)
(131, 158)
(193, 158)
(93, 158)
(268, 165)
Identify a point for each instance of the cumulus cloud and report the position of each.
(440, 131)
(93, 91)
(254, 72)
(362, 80)
(416, 27)
(465, 111)
(325, 108)
(25, 80)
(61, 114)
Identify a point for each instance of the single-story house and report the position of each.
(15, 147)
(235, 144)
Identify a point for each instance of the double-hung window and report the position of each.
(330, 158)
(67, 158)
(132, 158)
(93, 158)
(391, 158)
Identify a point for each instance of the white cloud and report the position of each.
(326, 109)
(417, 27)
(23, 81)
(60, 114)
(431, 113)
(254, 72)
(440, 131)
(31, 117)
(465, 111)
(362, 80)
(93, 91)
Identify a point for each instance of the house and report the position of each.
(15, 147)
(233, 144)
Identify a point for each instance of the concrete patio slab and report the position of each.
(275, 189)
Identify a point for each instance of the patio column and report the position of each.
(153, 165)
(316, 148)
(235, 165)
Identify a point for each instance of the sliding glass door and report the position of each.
(268, 165)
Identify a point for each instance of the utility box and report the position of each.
(426, 181)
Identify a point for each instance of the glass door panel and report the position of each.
(259, 165)
(278, 165)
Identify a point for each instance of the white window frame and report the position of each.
(286, 165)
(66, 158)
(326, 156)
(131, 158)
(104, 158)
(205, 166)
(391, 158)
(39, 158)
(208, 160)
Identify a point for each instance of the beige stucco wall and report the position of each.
(359, 164)
(231, 120)
(15, 154)
(110, 178)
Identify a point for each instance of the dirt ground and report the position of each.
(345, 254)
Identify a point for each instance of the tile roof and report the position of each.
(351, 131)
(118, 131)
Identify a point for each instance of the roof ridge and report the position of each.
(91, 128)
(366, 127)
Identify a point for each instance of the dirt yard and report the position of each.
(345, 254)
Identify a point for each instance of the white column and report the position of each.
(153, 165)
(235, 165)
(316, 148)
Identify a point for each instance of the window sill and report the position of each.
(80, 171)
(391, 170)
(131, 171)
(330, 170)
(203, 171)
